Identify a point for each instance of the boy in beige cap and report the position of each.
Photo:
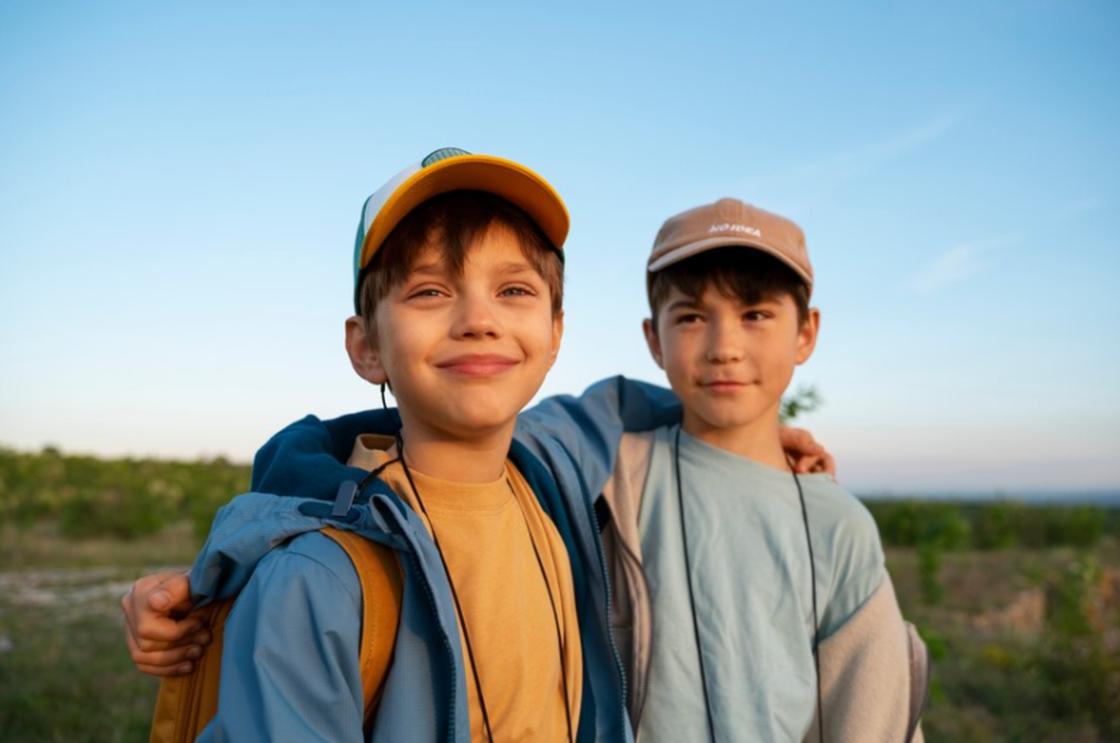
(752, 603)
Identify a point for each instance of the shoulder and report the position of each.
(292, 639)
(313, 565)
(847, 549)
(839, 519)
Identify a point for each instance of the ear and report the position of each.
(362, 349)
(807, 335)
(557, 336)
(654, 343)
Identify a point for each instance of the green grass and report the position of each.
(65, 674)
(67, 677)
(1052, 675)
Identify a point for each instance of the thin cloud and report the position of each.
(960, 262)
(859, 160)
(819, 178)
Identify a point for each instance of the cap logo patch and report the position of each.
(442, 153)
(730, 227)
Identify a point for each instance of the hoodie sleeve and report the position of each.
(585, 431)
(290, 669)
(873, 676)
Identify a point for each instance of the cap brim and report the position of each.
(505, 178)
(688, 250)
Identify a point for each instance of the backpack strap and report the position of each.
(380, 576)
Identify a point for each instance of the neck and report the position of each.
(757, 440)
(444, 456)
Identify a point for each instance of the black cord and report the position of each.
(451, 583)
(555, 619)
(813, 581)
(691, 597)
(459, 608)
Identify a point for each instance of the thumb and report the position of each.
(172, 592)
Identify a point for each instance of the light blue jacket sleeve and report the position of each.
(290, 668)
(584, 432)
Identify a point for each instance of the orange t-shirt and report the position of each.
(487, 532)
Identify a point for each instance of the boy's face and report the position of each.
(729, 362)
(463, 354)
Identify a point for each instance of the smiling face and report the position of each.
(728, 359)
(465, 349)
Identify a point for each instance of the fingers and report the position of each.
(148, 607)
(159, 643)
(165, 662)
(162, 634)
(806, 453)
(828, 465)
(170, 594)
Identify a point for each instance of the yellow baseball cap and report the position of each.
(453, 169)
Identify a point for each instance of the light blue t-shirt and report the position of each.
(751, 582)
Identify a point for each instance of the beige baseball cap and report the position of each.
(730, 222)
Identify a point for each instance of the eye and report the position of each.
(757, 315)
(517, 290)
(424, 292)
(688, 318)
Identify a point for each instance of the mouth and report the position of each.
(477, 364)
(724, 386)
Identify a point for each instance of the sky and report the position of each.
(180, 184)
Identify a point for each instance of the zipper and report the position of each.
(432, 605)
(607, 589)
(446, 642)
(641, 573)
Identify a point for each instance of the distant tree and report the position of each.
(805, 399)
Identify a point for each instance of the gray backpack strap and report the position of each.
(919, 679)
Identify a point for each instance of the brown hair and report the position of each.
(455, 221)
(748, 275)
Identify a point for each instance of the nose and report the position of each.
(724, 343)
(474, 317)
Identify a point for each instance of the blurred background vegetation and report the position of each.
(1019, 603)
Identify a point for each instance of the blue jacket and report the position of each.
(565, 447)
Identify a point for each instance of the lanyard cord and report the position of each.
(555, 620)
(816, 622)
(459, 607)
(692, 598)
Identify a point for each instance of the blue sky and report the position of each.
(180, 187)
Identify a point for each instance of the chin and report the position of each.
(723, 418)
(483, 418)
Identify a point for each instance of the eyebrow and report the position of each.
(680, 304)
(516, 267)
(431, 268)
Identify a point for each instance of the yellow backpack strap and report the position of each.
(380, 576)
(187, 703)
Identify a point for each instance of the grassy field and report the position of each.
(1020, 605)
(64, 672)
(1004, 668)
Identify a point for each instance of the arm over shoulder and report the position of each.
(588, 428)
(290, 667)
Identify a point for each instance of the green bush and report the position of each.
(998, 525)
(123, 498)
(993, 525)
